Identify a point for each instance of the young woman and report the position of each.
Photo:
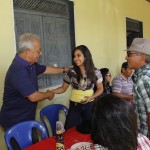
(82, 77)
(106, 80)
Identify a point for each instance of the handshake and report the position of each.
(50, 94)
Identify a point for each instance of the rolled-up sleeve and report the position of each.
(99, 76)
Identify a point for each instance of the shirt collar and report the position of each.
(21, 61)
(140, 70)
(123, 77)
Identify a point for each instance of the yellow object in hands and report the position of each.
(79, 95)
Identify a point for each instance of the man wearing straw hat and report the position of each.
(138, 57)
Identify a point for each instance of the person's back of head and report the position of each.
(114, 123)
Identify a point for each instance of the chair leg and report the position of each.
(35, 138)
(14, 144)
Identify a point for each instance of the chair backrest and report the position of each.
(22, 133)
(51, 112)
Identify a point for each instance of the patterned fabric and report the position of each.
(92, 147)
(98, 147)
(141, 96)
(107, 89)
(122, 85)
(143, 142)
(71, 78)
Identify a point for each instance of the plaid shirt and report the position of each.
(141, 96)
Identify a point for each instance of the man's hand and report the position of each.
(67, 68)
(51, 95)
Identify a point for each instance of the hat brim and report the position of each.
(128, 50)
(131, 50)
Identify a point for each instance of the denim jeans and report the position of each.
(78, 113)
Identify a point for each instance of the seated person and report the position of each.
(122, 85)
(106, 80)
(114, 125)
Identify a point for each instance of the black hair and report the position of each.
(104, 72)
(114, 123)
(124, 65)
(88, 63)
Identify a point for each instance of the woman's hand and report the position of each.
(51, 94)
(87, 99)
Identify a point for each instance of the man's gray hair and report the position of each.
(147, 59)
(26, 41)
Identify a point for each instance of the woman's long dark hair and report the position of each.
(104, 72)
(114, 123)
(88, 63)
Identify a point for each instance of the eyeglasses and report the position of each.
(37, 51)
(130, 53)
